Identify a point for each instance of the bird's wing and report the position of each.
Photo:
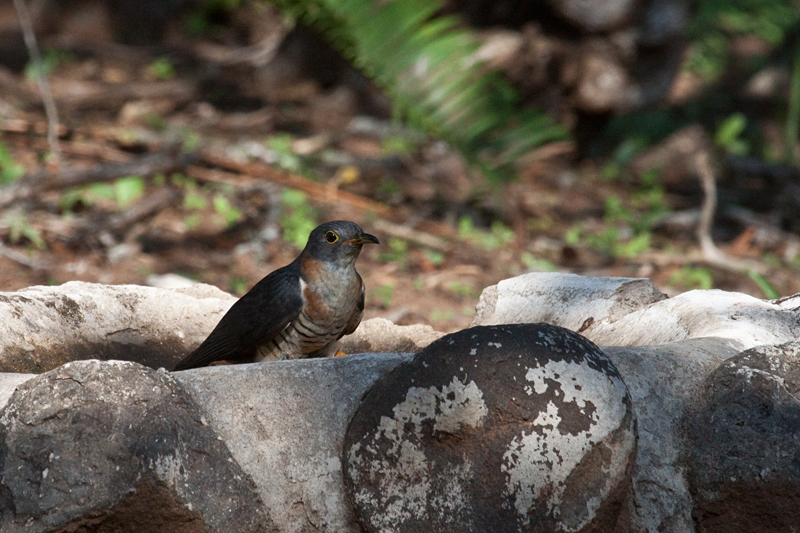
(254, 319)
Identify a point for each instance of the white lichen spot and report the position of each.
(168, 469)
(401, 470)
(473, 351)
(538, 463)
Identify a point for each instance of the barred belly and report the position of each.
(301, 338)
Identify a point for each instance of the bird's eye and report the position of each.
(331, 237)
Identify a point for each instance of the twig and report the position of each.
(41, 78)
(318, 191)
(147, 207)
(412, 234)
(712, 254)
(147, 165)
(22, 259)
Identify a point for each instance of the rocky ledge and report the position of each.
(684, 419)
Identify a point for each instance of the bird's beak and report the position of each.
(364, 238)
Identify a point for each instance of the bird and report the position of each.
(299, 310)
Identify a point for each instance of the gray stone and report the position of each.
(631, 312)
(115, 446)
(9, 383)
(664, 381)
(743, 442)
(595, 15)
(503, 428)
(284, 423)
(379, 335)
(575, 302)
(44, 327)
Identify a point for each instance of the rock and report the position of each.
(505, 428)
(674, 158)
(743, 442)
(664, 381)
(629, 312)
(115, 446)
(284, 423)
(9, 383)
(663, 348)
(44, 327)
(379, 335)
(567, 300)
(595, 15)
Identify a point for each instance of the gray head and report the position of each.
(339, 241)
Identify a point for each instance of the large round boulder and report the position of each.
(744, 443)
(524, 427)
(115, 446)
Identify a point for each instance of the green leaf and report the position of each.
(727, 136)
(769, 290)
(426, 64)
(126, 190)
(229, 213)
(9, 170)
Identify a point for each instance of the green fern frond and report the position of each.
(427, 66)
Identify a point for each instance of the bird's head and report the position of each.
(338, 242)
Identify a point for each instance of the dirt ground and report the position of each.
(222, 215)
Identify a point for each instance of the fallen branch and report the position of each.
(318, 192)
(412, 234)
(22, 259)
(149, 206)
(41, 78)
(147, 165)
(710, 253)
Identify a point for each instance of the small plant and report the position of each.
(728, 135)
(122, 192)
(462, 289)
(192, 221)
(537, 265)
(127, 190)
(230, 215)
(155, 121)
(298, 217)
(627, 230)
(436, 258)
(397, 251)
(9, 170)
(769, 290)
(285, 158)
(437, 315)
(499, 234)
(690, 278)
(384, 295)
(162, 69)
(20, 228)
(238, 285)
(623, 154)
(191, 139)
(193, 199)
(398, 145)
(50, 60)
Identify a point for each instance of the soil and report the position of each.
(333, 138)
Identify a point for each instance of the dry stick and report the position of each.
(712, 254)
(23, 259)
(147, 165)
(41, 78)
(318, 192)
